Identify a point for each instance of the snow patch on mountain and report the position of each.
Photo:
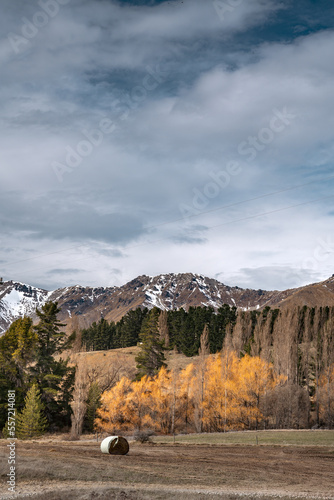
(170, 291)
(18, 300)
(82, 305)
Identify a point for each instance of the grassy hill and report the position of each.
(114, 363)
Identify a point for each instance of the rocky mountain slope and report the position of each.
(17, 300)
(80, 306)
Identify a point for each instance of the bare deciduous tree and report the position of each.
(78, 405)
(163, 328)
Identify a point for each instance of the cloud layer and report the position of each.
(166, 137)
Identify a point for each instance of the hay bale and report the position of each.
(115, 445)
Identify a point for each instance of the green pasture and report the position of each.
(272, 437)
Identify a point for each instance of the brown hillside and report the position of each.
(315, 295)
(81, 306)
(111, 365)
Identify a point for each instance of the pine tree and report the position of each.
(151, 356)
(54, 377)
(130, 327)
(31, 422)
(186, 337)
(17, 349)
(103, 338)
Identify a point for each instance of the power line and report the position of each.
(274, 211)
(231, 205)
(43, 255)
(234, 221)
(239, 202)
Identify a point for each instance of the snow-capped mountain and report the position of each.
(17, 300)
(80, 306)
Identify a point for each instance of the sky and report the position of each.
(171, 136)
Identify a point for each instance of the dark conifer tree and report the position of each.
(93, 403)
(55, 378)
(17, 350)
(131, 326)
(151, 356)
(31, 422)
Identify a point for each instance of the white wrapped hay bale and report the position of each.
(115, 445)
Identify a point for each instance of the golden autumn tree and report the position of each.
(214, 396)
(162, 401)
(234, 389)
(186, 399)
(199, 385)
(220, 404)
(113, 415)
(137, 404)
(225, 391)
(251, 379)
(171, 400)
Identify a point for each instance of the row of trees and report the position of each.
(214, 394)
(125, 333)
(275, 369)
(184, 329)
(51, 392)
(298, 342)
(234, 389)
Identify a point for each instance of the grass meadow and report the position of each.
(270, 437)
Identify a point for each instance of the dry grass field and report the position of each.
(113, 364)
(127, 355)
(272, 437)
(54, 469)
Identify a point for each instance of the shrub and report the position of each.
(143, 436)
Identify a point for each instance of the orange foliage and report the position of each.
(226, 393)
(111, 416)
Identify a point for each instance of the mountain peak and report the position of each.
(81, 305)
(18, 299)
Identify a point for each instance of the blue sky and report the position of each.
(168, 136)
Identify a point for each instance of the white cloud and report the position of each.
(174, 134)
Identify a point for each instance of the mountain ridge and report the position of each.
(80, 305)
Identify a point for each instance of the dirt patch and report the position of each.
(71, 470)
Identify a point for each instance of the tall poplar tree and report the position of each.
(163, 328)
